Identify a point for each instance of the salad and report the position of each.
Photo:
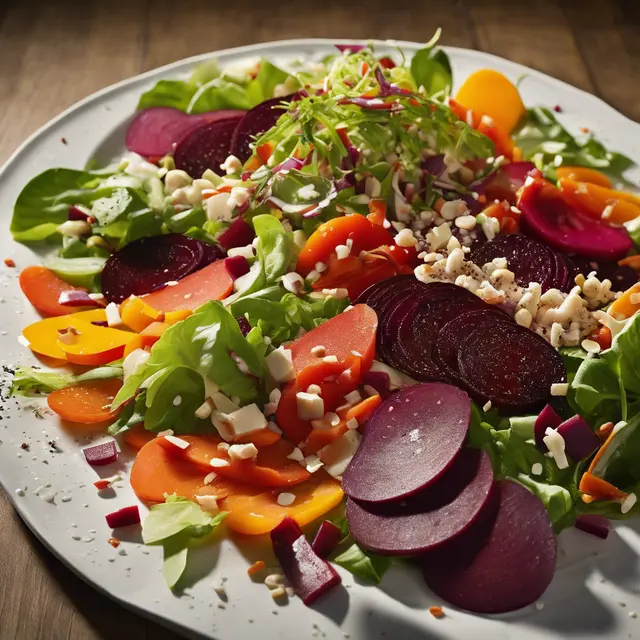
(335, 305)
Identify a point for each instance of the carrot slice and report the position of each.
(211, 283)
(599, 202)
(136, 437)
(631, 261)
(583, 174)
(623, 307)
(353, 330)
(599, 489)
(261, 438)
(255, 512)
(490, 92)
(271, 468)
(42, 287)
(43, 335)
(156, 471)
(87, 402)
(95, 345)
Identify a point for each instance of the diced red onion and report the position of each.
(101, 454)
(596, 525)
(75, 298)
(289, 163)
(123, 517)
(379, 380)
(244, 325)
(236, 266)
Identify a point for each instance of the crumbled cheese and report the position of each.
(165, 433)
(490, 227)
(313, 463)
(238, 197)
(113, 315)
(293, 282)
(299, 238)
(280, 365)
(210, 477)
(275, 396)
(439, 236)
(74, 228)
(405, 238)
(231, 165)
(296, 455)
(453, 209)
(342, 251)
(352, 423)
(453, 243)
(243, 451)
(218, 462)
(523, 318)
(318, 351)
(310, 406)
(286, 499)
(247, 420)
(320, 267)
(337, 455)
(353, 397)
(628, 503)
(177, 401)
(330, 359)
(223, 446)
(177, 442)
(536, 469)
(218, 208)
(274, 580)
(176, 179)
(487, 406)
(555, 443)
(244, 252)
(559, 388)
(208, 503)
(340, 293)
(221, 422)
(221, 402)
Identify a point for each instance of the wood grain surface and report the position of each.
(53, 53)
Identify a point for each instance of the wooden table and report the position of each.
(54, 53)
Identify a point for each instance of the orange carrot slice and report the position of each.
(95, 345)
(87, 402)
(623, 307)
(599, 489)
(583, 174)
(211, 283)
(43, 335)
(156, 471)
(490, 92)
(255, 512)
(42, 287)
(136, 437)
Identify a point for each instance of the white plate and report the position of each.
(594, 578)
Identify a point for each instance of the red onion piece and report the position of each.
(101, 454)
(236, 266)
(597, 526)
(75, 298)
(76, 213)
(244, 325)
(123, 517)
(379, 380)
(353, 48)
(326, 539)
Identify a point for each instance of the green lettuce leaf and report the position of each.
(363, 564)
(174, 524)
(431, 69)
(558, 501)
(543, 139)
(81, 272)
(130, 415)
(29, 381)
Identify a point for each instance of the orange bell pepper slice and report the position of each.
(256, 511)
(43, 287)
(95, 345)
(583, 174)
(600, 202)
(87, 402)
(623, 307)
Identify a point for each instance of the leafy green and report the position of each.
(130, 415)
(431, 69)
(199, 346)
(174, 524)
(209, 90)
(286, 187)
(363, 564)
(557, 500)
(596, 390)
(81, 272)
(31, 381)
(543, 139)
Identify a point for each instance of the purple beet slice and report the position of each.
(455, 331)
(410, 441)
(377, 292)
(510, 366)
(579, 439)
(546, 215)
(430, 518)
(308, 573)
(528, 259)
(548, 418)
(154, 132)
(210, 253)
(206, 147)
(256, 122)
(147, 264)
(503, 184)
(505, 564)
(239, 234)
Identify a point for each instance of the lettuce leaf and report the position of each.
(364, 564)
(80, 272)
(431, 69)
(29, 381)
(174, 524)
(542, 139)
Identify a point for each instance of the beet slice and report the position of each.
(239, 234)
(452, 334)
(410, 441)
(502, 565)
(255, 122)
(154, 132)
(597, 526)
(430, 518)
(548, 418)
(503, 184)
(309, 574)
(211, 253)
(580, 440)
(375, 294)
(147, 264)
(326, 540)
(549, 217)
(528, 259)
(206, 147)
(509, 365)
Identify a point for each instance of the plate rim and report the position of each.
(245, 50)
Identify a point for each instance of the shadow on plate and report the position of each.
(110, 147)
(381, 625)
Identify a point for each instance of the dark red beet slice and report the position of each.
(509, 365)
(455, 331)
(154, 132)
(377, 293)
(239, 234)
(432, 517)
(597, 526)
(580, 440)
(100, 454)
(550, 218)
(326, 539)
(410, 441)
(147, 264)
(528, 259)
(255, 122)
(124, 517)
(236, 266)
(206, 147)
(548, 418)
(508, 567)
(211, 253)
(310, 575)
(504, 183)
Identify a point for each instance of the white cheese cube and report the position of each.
(247, 419)
(337, 455)
(280, 365)
(310, 406)
(243, 451)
